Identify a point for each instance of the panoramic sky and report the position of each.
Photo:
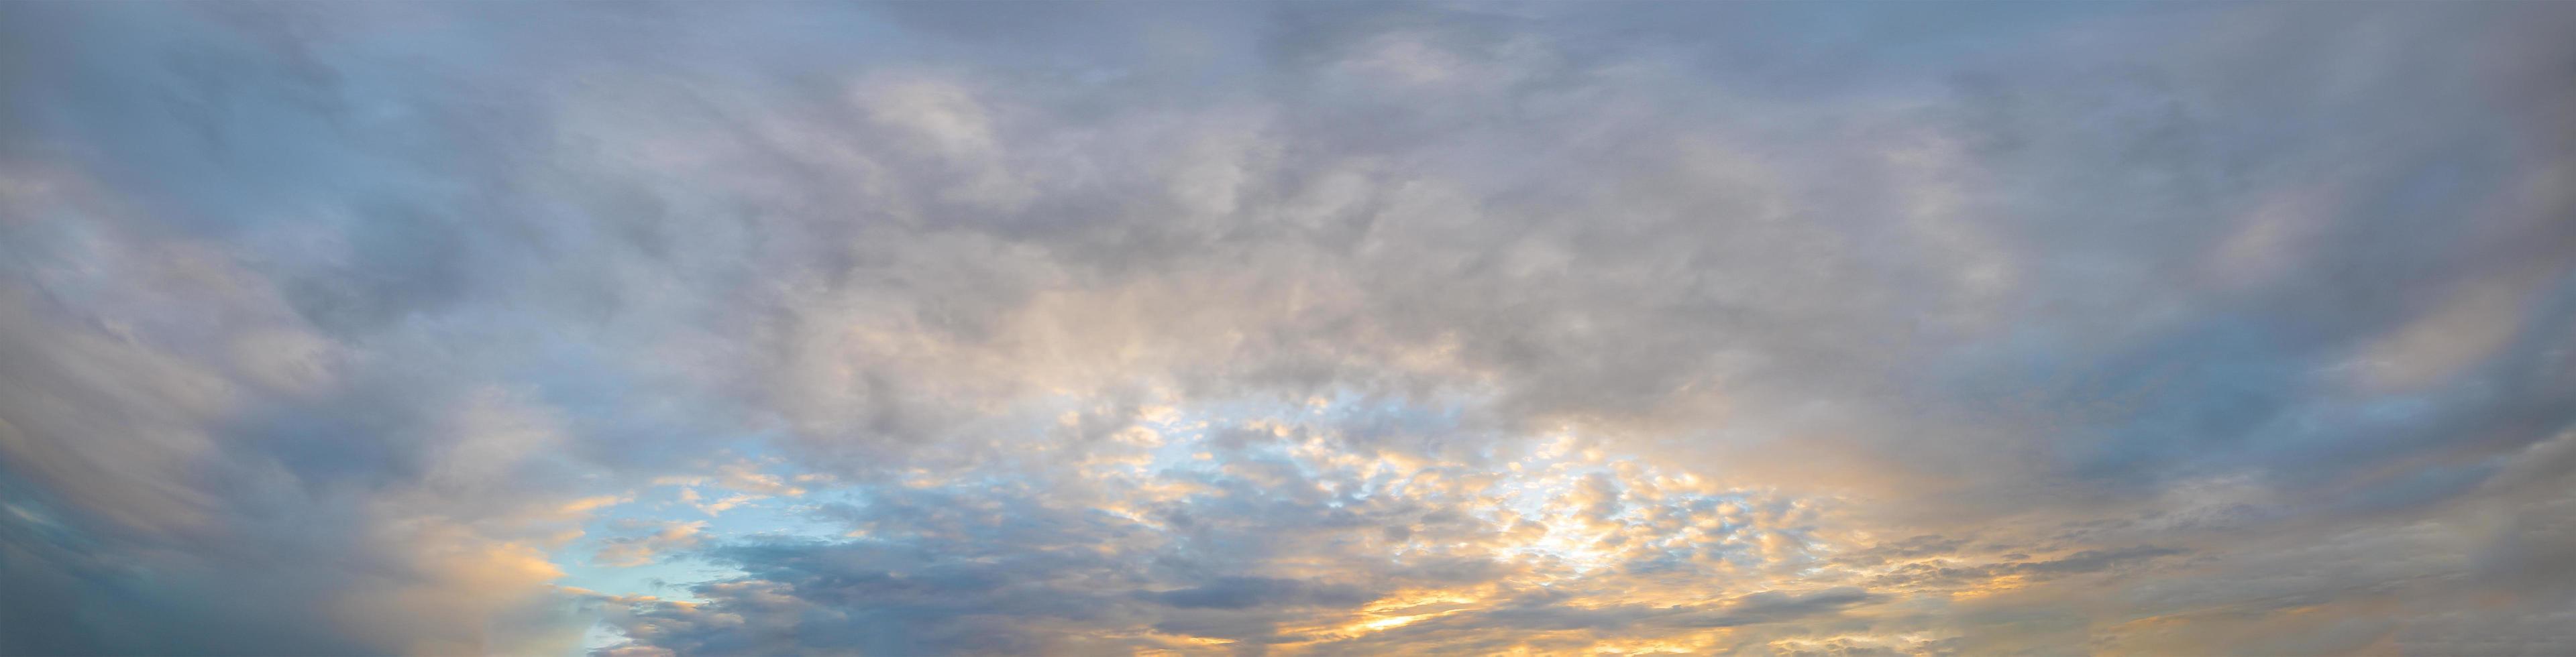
(634, 329)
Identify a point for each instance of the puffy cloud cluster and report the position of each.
(924, 328)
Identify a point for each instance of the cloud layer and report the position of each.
(923, 328)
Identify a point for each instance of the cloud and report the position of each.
(922, 328)
(640, 550)
(1242, 592)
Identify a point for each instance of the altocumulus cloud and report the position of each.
(1050, 328)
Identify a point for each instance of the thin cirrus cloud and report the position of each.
(921, 328)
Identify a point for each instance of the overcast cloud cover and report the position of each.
(1050, 328)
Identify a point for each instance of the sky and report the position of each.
(626, 329)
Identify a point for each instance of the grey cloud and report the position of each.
(1943, 571)
(1241, 592)
(1777, 606)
